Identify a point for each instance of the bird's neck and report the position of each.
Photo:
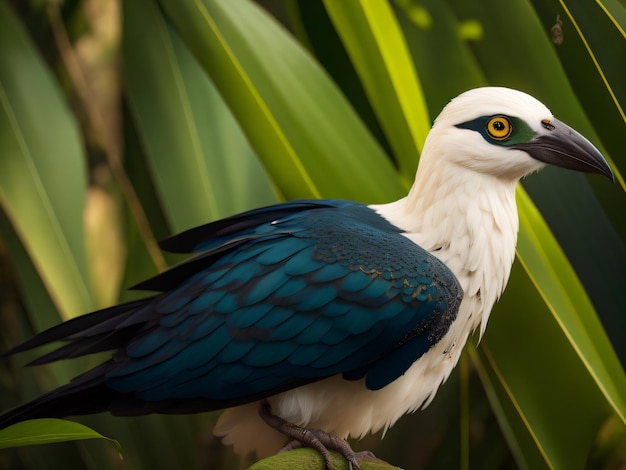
(469, 221)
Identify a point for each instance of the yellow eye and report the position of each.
(499, 127)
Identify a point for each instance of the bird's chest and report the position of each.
(348, 408)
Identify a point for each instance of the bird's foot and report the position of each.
(314, 438)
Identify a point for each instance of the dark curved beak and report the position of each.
(562, 146)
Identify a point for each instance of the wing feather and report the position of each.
(274, 298)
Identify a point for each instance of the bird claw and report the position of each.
(316, 439)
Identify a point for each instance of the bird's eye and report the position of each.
(499, 127)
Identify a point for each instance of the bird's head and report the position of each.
(508, 134)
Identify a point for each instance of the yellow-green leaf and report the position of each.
(565, 296)
(47, 431)
(202, 165)
(302, 128)
(42, 170)
(377, 48)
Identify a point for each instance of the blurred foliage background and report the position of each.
(124, 122)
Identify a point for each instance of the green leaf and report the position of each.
(519, 434)
(374, 40)
(299, 124)
(40, 311)
(566, 298)
(444, 60)
(203, 167)
(546, 401)
(578, 220)
(47, 431)
(551, 373)
(592, 54)
(42, 174)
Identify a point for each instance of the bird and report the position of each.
(313, 321)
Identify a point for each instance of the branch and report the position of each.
(309, 459)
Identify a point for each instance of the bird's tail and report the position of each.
(76, 398)
(86, 394)
(103, 330)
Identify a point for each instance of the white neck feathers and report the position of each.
(467, 219)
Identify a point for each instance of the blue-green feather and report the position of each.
(283, 296)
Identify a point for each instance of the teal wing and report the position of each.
(273, 299)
